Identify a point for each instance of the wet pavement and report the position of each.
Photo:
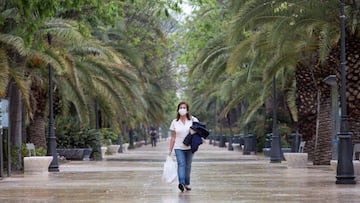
(218, 175)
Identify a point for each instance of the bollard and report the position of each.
(268, 140)
(119, 142)
(249, 144)
(222, 141)
(295, 142)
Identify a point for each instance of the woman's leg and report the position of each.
(189, 156)
(181, 160)
(152, 142)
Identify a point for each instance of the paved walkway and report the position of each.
(218, 175)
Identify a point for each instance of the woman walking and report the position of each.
(180, 128)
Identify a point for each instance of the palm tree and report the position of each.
(314, 26)
(89, 72)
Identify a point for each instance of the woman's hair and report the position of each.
(187, 108)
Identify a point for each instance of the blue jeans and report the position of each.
(184, 160)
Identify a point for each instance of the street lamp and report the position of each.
(51, 144)
(345, 167)
(231, 137)
(275, 154)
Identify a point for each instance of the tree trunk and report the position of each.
(37, 123)
(306, 99)
(37, 131)
(15, 113)
(24, 135)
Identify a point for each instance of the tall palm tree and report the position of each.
(89, 72)
(314, 26)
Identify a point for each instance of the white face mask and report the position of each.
(182, 112)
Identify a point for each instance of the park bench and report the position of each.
(356, 159)
(356, 151)
(36, 164)
(75, 153)
(31, 149)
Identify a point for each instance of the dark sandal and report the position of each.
(181, 187)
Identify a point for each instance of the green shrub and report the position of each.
(108, 135)
(39, 151)
(125, 139)
(70, 134)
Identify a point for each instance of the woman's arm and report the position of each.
(172, 141)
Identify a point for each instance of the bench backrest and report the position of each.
(302, 146)
(31, 148)
(356, 150)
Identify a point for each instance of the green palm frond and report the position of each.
(215, 49)
(22, 84)
(4, 67)
(257, 102)
(72, 94)
(241, 53)
(65, 32)
(154, 100)
(14, 42)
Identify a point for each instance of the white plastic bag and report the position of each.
(170, 170)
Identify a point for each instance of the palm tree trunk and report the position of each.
(15, 112)
(37, 131)
(37, 123)
(24, 135)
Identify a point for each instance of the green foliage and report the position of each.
(89, 69)
(207, 23)
(70, 134)
(39, 151)
(107, 134)
(24, 152)
(125, 139)
(28, 17)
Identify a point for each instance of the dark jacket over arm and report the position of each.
(195, 139)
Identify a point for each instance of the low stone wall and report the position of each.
(296, 160)
(37, 164)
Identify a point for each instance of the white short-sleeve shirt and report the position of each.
(181, 130)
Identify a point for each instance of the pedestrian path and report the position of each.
(218, 175)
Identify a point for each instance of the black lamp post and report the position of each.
(231, 137)
(275, 154)
(1, 146)
(51, 144)
(345, 167)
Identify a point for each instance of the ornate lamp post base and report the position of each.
(345, 167)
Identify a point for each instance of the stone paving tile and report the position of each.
(218, 175)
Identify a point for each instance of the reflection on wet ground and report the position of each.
(218, 175)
